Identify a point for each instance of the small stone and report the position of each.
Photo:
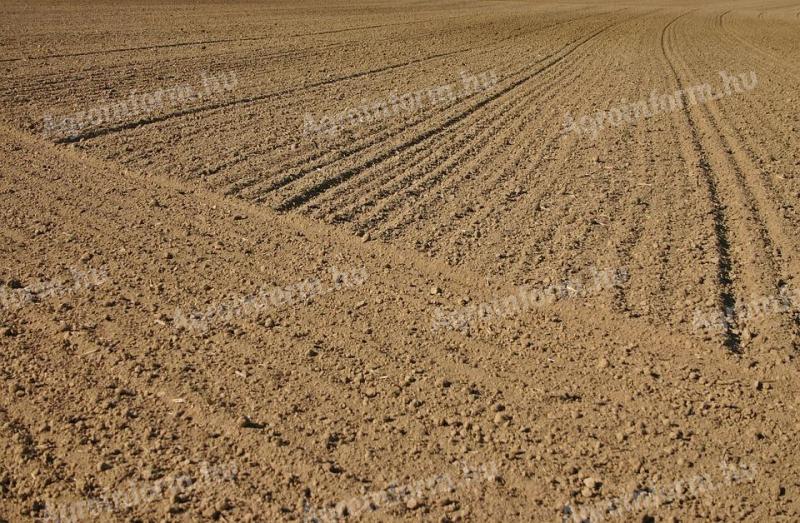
(412, 503)
(223, 505)
(435, 290)
(758, 385)
(592, 483)
(500, 418)
(366, 237)
(602, 363)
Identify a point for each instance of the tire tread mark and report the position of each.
(727, 297)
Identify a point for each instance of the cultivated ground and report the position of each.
(399, 261)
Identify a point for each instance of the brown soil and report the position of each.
(111, 238)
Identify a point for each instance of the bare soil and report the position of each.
(113, 234)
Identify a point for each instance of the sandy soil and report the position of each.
(399, 261)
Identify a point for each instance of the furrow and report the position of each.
(310, 193)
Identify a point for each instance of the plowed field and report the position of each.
(399, 261)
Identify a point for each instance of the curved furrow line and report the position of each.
(332, 153)
(556, 152)
(474, 211)
(764, 200)
(506, 176)
(690, 222)
(721, 149)
(257, 185)
(348, 200)
(408, 187)
(217, 177)
(740, 158)
(761, 222)
(727, 297)
(659, 239)
(320, 187)
(456, 109)
(294, 176)
(377, 133)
